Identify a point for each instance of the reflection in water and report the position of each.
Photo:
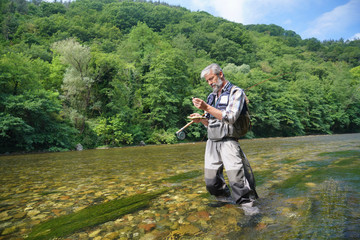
(308, 186)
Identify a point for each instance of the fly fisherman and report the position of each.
(222, 110)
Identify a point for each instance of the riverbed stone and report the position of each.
(40, 216)
(4, 216)
(311, 184)
(65, 197)
(155, 234)
(204, 215)
(94, 233)
(9, 230)
(147, 227)
(82, 236)
(33, 213)
(187, 230)
(111, 236)
(192, 218)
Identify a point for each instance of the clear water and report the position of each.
(308, 186)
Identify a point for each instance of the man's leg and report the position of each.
(239, 172)
(214, 178)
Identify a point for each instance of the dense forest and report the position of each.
(115, 73)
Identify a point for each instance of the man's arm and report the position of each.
(231, 113)
(235, 106)
(202, 105)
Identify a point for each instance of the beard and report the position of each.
(217, 86)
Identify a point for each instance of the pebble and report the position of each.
(33, 213)
(9, 230)
(149, 236)
(311, 184)
(94, 233)
(40, 216)
(82, 235)
(147, 227)
(111, 236)
(4, 216)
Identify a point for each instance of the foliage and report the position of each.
(160, 136)
(77, 80)
(31, 121)
(30, 117)
(111, 131)
(121, 72)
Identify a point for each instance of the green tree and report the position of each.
(29, 115)
(112, 131)
(165, 89)
(31, 121)
(225, 50)
(48, 9)
(141, 46)
(312, 44)
(77, 80)
(17, 74)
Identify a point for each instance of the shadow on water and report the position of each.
(308, 186)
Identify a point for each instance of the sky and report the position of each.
(321, 19)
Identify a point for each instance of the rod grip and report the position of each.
(185, 127)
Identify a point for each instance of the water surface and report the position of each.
(308, 186)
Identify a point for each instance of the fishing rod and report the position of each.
(181, 134)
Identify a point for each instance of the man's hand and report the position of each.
(196, 117)
(200, 104)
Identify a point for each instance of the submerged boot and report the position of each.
(249, 209)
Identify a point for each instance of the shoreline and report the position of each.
(131, 146)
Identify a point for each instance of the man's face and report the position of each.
(214, 81)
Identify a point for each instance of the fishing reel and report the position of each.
(181, 135)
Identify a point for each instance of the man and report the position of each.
(222, 110)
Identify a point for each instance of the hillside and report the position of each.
(106, 72)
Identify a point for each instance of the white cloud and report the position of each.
(230, 9)
(336, 20)
(247, 11)
(355, 37)
(306, 17)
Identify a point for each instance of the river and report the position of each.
(308, 186)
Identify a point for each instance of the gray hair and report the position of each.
(215, 68)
